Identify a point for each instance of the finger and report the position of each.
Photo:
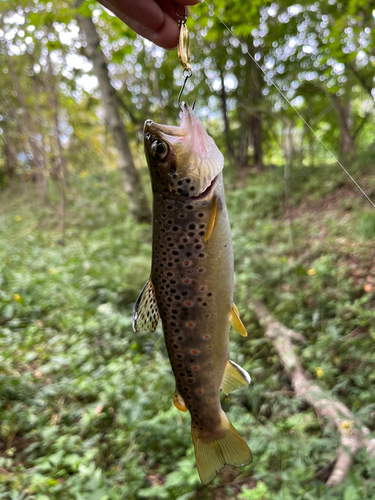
(144, 12)
(188, 2)
(166, 37)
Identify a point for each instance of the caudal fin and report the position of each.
(212, 454)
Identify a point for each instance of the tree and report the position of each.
(138, 205)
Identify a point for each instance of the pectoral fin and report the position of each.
(213, 220)
(234, 377)
(146, 312)
(236, 322)
(178, 401)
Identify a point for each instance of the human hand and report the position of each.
(155, 20)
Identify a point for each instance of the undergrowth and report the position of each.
(86, 407)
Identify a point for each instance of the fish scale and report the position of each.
(192, 305)
(191, 285)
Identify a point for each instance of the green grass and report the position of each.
(86, 407)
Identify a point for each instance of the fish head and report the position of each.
(183, 161)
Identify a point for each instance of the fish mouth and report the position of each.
(151, 127)
(208, 189)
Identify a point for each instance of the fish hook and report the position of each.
(186, 74)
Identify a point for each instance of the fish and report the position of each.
(190, 288)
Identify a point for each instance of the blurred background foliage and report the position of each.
(85, 404)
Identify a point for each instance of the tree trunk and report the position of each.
(138, 205)
(256, 116)
(61, 160)
(224, 109)
(28, 128)
(256, 128)
(157, 94)
(347, 146)
(242, 158)
(288, 155)
(10, 157)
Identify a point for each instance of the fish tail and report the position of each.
(224, 447)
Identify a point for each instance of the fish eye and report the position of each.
(159, 149)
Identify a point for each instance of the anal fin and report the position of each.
(178, 401)
(146, 311)
(236, 322)
(234, 377)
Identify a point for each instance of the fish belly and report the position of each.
(193, 281)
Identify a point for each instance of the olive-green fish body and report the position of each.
(191, 285)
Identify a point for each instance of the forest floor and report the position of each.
(83, 414)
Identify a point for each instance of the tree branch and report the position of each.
(361, 124)
(127, 110)
(353, 435)
(360, 78)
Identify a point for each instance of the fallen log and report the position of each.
(353, 435)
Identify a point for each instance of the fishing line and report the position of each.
(291, 105)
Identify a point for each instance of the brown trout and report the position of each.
(191, 284)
